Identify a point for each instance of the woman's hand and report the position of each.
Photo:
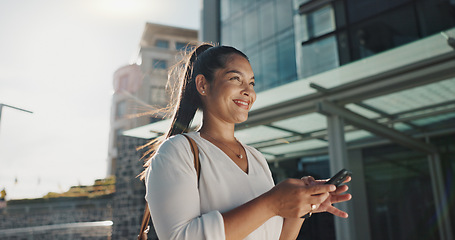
(293, 198)
(334, 197)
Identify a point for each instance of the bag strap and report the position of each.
(146, 218)
(197, 163)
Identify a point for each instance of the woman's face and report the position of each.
(231, 94)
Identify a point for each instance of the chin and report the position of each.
(241, 119)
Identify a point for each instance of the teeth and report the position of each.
(242, 102)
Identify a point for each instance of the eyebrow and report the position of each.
(238, 72)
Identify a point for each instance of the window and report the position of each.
(435, 16)
(362, 9)
(384, 32)
(237, 32)
(256, 27)
(251, 28)
(286, 57)
(159, 64)
(317, 23)
(319, 56)
(158, 95)
(284, 19)
(270, 70)
(120, 110)
(162, 43)
(267, 16)
(343, 31)
(181, 46)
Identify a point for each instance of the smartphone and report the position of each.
(339, 177)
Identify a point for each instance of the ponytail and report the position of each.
(189, 100)
(205, 60)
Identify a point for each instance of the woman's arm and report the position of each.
(291, 228)
(289, 199)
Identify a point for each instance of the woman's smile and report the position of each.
(243, 104)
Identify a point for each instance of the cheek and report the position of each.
(254, 97)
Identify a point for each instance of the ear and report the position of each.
(202, 85)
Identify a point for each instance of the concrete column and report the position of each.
(440, 197)
(358, 215)
(344, 228)
(210, 21)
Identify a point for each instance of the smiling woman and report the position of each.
(234, 196)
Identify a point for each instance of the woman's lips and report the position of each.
(242, 103)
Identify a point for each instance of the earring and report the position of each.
(203, 92)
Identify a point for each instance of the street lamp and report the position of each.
(5, 105)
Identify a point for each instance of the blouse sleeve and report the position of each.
(173, 195)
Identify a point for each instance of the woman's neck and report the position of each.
(220, 131)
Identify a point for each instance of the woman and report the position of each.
(235, 197)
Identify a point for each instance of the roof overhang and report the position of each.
(407, 90)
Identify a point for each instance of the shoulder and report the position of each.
(174, 143)
(173, 150)
(254, 151)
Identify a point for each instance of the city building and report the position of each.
(363, 85)
(141, 87)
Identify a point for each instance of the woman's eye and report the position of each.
(235, 78)
(253, 84)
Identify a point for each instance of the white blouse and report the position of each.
(181, 210)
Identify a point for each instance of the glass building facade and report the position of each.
(334, 33)
(264, 31)
(363, 84)
(367, 85)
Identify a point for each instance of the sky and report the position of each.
(57, 59)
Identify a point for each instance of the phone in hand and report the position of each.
(339, 178)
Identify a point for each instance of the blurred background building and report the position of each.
(363, 85)
(88, 212)
(141, 87)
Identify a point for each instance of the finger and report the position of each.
(308, 180)
(341, 189)
(321, 181)
(319, 198)
(319, 189)
(348, 179)
(337, 212)
(341, 198)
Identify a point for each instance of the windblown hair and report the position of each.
(204, 59)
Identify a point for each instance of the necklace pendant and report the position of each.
(240, 156)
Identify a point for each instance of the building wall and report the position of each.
(36, 213)
(389, 181)
(129, 199)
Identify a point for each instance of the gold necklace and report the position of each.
(238, 155)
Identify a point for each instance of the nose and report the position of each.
(249, 91)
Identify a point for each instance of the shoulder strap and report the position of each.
(195, 150)
(146, 218)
